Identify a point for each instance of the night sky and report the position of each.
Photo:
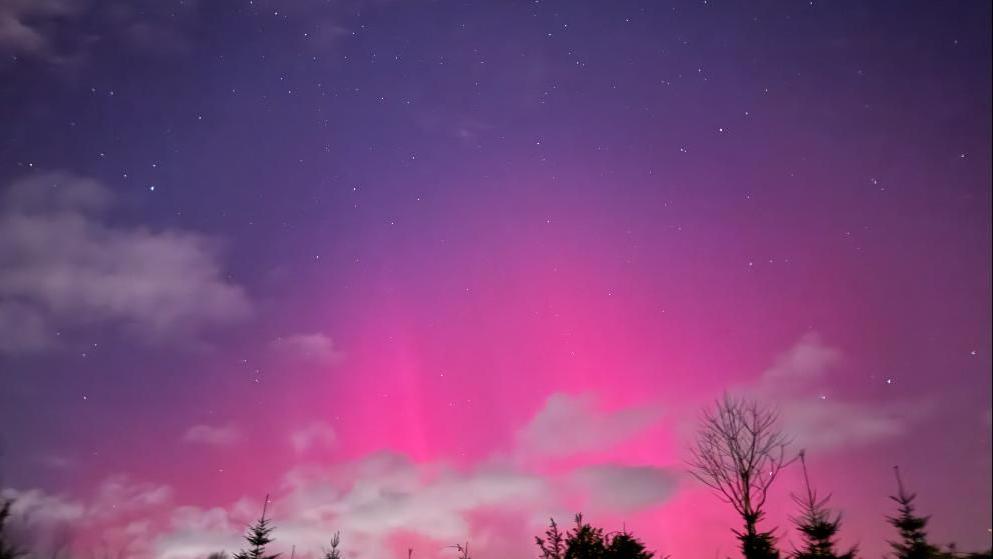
(434, 271)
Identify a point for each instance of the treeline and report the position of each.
(739, 453)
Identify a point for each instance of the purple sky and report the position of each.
(434, 271)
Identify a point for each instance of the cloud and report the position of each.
(224, 435)
(113, 518)
(66, 33)
(819, 421)
(380, 502)
(808, 360)
(62, 265)
(25, 25)
(314, 436)
(316, 348)
(569, 424)
(626, 488)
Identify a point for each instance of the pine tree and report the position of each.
(259, 535)
(913, 542)
(758, 545)
(7, 550)
(585, 541)
(625, 546)
(817, 528)
(333, 552)
(552, 545)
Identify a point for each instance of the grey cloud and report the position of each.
(63, 265)
(569, 424)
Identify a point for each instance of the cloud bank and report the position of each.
(64, 265)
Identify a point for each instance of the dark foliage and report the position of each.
(7, 549)
(333, 552)
(913, 543)
(552, 546)
(586, 541)
(625, 546)
(258, 537)
(817, 526)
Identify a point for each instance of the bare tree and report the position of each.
(739, 452)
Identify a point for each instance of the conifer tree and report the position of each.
(333, 552)
(258, 537)
(913, 542)
(625, 546)
(7, 550)
(818, 529)
(585, 541)
(553, 544)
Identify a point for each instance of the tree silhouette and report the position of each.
(218, 555)
(333, 552)
(463, 550)
(258, 537)
(552, 545)
(585, 541)
(913, 542)
(739, 452)
(625, 546)
(7, 549)
(818, 529)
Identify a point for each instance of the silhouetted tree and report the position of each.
(739, 452)
(463, 550)
(553, 544)
(625, 546)
(218, 555)
(913, 542)
(818, 529)
(585, 541)
(333, 552)
(258, 537)
(7, 549)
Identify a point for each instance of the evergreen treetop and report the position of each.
(258, 537)
(913, 543)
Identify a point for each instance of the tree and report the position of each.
(333, 552)
(552, 545)
(463, 550)
(258, 537)
(818, 529)
(739, 452)
(625, 546)
(7, 549)
(585, 541)
(218, 555)
(913, 542)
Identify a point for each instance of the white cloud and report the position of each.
(821, 421)
(63, 266)
(315, 347)
(379, 502)
(221, 435)
(114, 518)
(569, 424)
(314, 436)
